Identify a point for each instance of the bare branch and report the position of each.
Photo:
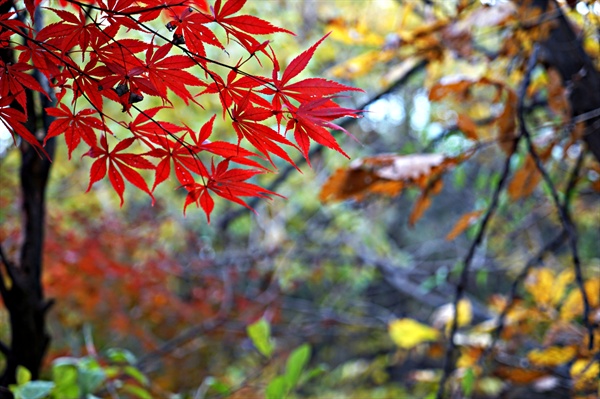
(464, 275)
(563, 213)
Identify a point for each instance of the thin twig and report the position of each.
(551, 246)
(464, 276)
(564, 216)
(462, 285)
(534, 260)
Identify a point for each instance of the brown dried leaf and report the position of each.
(557, 95)
(357, 184)
(518, 375)
(507, 123)
(385, 174)
(466, 125)
(389, 174)
(461, 225)
(442, 89)
(527, 178)
(424, 201)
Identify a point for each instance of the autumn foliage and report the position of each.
(100, 54)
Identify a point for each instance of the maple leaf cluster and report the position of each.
(88, 63)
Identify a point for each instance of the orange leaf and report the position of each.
(424, 200)
(385, 174)
(465, 221)
(466, 125)
(419, 208)
(527, 178)
(389, 174)
(518, 375)
(441, 90)
(551, 357)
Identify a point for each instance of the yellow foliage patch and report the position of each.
(546, 288)
(573, 305)
(584, 373)
(408, 333)
(444, 315)
(551, 357)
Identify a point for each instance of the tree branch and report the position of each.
(4, 349)
(565, 220)
(551, 246)
(464, 276)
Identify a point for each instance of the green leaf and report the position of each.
(276, 388)
(65, 378)
(468, 381)
(260, 334)
(295, 365)
(136, 374)
(218, 386)
(90, 379)
(23, 375)
(137, 391)
(481, 277)
(118, 355)
(315, 372)
(36, 389)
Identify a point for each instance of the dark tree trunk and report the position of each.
(564, 51)
(24, 296)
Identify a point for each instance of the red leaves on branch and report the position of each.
(90, 59)
(118, 165)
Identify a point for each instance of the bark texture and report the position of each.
(21, 285)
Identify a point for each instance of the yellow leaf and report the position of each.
(444, 315)
(361, 64)
(546, 289)
(585, 374)
(552, 356)
(408, 333)
(469, 356)
(573, 305)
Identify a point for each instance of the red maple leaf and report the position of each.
(13, 120)
(229, 184)
(74, 126)
(118, 164)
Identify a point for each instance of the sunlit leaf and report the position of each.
(573, 304)
(408, 333)
(585, 374)
(444, 315)
(552, 356)
(260, 334)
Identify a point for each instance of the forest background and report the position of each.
(473, 184)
